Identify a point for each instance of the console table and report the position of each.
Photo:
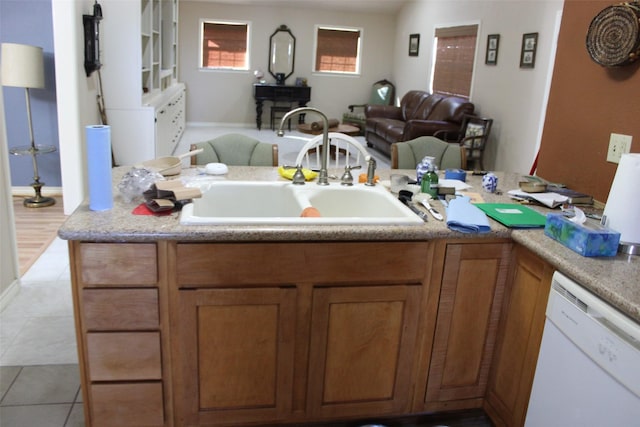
(279, 93)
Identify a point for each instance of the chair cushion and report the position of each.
(473, 130)
(446, 155)
(411, 102)
(381, 95)
(451, 109)
(237, 150)
(424, 110)
(354, 116)
(262, 155)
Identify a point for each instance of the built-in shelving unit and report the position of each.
(140, 38)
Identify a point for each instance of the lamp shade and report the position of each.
(22, 66)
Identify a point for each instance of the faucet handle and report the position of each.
(298, 176)
(347, 177)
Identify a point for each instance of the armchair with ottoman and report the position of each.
(419, 114)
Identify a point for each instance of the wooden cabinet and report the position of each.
(274, 332)
(119, 327)
(139, 77)
(174, 333)
(361, 352)
(238, 355)
(470, 299)
(519, 339)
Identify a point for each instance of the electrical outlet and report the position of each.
(618, 145)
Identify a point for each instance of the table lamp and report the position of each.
(23, 66)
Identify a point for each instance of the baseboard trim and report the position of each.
(227, 125)
(30, 192)
(9, 294)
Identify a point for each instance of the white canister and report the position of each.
(622, 211)
(490, 183)
(426, 164)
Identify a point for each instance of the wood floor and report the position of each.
(35, 229)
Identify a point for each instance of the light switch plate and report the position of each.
(618, 145)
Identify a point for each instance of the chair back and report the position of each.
(344, 151)
(474, 135)
(407, 155)
(236, 150)
(382, 93)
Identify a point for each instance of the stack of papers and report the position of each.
(549, 199)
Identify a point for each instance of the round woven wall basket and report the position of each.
(613, 38)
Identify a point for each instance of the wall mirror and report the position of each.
(282, 52)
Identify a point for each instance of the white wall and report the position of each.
(9, 269)
(76, 95)
(219, 96)
(514, 97)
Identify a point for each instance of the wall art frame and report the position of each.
(414, 44)
(493, 43)
(528, 52)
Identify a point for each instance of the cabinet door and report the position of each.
(361, 352)
(236, 355)
(471, 295)
(519, 339)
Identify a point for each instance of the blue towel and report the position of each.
(464, 217)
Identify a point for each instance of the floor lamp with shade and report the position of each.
(23, 66)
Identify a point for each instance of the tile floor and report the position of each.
(39, 377)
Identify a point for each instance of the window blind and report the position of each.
(455, 52)
(224, 45)
(337, 50)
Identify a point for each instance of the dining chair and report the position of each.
(407, 155)
(236, 150)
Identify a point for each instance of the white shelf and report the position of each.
(140, 75)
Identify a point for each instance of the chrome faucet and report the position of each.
(323, 177)
(371, 171)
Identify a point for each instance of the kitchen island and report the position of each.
(230, 325)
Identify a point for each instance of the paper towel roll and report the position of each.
(99, 167)
(622, 210)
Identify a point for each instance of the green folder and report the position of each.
(513, 215)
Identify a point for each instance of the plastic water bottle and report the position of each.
(429, 182)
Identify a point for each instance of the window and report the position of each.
(337, 50)
(455, 50)
(225, 45)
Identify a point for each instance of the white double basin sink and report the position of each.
(281, 203)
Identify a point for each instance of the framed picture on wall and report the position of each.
(414, 44)
(528, 53)
(493, 41)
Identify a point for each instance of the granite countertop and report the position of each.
(615, 279)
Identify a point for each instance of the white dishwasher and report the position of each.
(588, 371)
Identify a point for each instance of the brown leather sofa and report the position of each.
(419, 114)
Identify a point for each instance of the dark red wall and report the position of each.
(587, 103)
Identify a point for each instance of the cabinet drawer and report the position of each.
(118, 264)
(119, 405)
(120, 309)
(224, 264)
(122, 356)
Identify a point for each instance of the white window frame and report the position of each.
(247, 66)
(315, 50)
